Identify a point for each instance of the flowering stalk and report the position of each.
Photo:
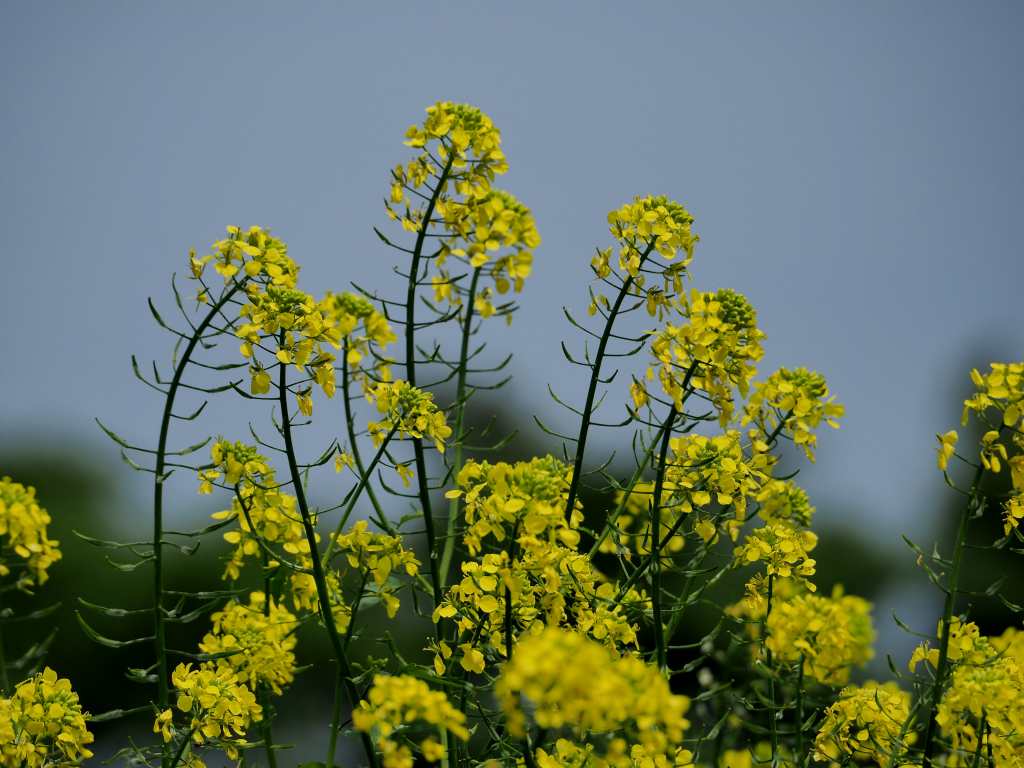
(460, 413)
(655, 558)
(595, 377)
(351, 428)
(159, 632)
(323, 594)
(942, 668)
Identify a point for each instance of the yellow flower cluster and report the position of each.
(782, 547)
(409, 412)
(524, 501)
(301, 331)
(966, 645)
(42, 724)
(865, 725)
(258, 647)
(703, 470)
(720, 342)
(24, 545)
(572, 682)
(363, 328)
(396, 703)
(619, 754)
(985, 700)
(1002, 389)
(481, 228)
(237, 463)
(785, 500)
(1013, 513)
(632, 533)
(794, 402)
(830, 634)
(218, 703)
(652, 223)
(377, 555)
(255, 252)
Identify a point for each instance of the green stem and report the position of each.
(595, 375)
(981, 740)
(332, 741)
(771, 674)
(266, 724)
(323, 594)
(159, 631)
(460, 415)
(351, 429)
(5, 681)
(655, 559)
(800, 712)
(953, 587)
(181, 749)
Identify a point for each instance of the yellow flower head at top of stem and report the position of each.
(1002, 390)
(495, 233)
(362, 328)
(720, 342)
(570, 681)
(966, 645)
(984, 700)
(830, 634)
(459, 132)
(525, 501)
(376, 556)
(25, 548)
(652, 224)
(398, 704)
(409, 412)
(238, 464)
(259, 644)
(299, 333)
(798, 400)
(704, 470)
(782, 547)
(218, 705)
(865, 725)
(254, 252)
(42, 724)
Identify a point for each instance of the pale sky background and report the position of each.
(853, 168)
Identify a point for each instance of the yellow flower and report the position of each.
(42, 724)
(25, 548)
(785, 500)
(398, 703)
(652, 223)
(947, 447)
(573, 682)
(793, 402)
(1002, 389)
(864, 724)
(783, 548)
(409, 412)
(253, 252)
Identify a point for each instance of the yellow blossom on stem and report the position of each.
(409, 412)
(793, 402)
(783, 548)
(25, 547)
(865, 724)
(42, 724)
(652, 222)
(947, 447)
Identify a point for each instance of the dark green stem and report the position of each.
(595, 375)
(323, 594)
(773, 725)
(952, 589)
(351, 430)
(460, 416)
(159, 631)
(655, 559)
(5, 681)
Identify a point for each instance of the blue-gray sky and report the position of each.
(853, 168)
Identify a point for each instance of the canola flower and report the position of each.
(865, 724)
(255, 642)
(651, 224)
(619, 754)
(365, 333)
(42, 724)
(25, 548)
(781, 500)
(396, 704)
(793, 402)
(377, 556)
(783, 549)
(631, 532)
(218, 706)
(575, 683)
(714, 351)
(408, 412)
(253, 252)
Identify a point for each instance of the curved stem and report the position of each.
(323, 594)
(595, 375)
(159, 631)
(410, 373)
(952, 589)
(655, 559)
(460, 415)
(350, 428)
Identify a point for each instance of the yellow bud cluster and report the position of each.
(785, 500)
(256, 643)
(25, 548)
(573, 682)
(794, 402)
(42, 724)
(865, 724)
(653, 223)
(409, 412)
(397, 703)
